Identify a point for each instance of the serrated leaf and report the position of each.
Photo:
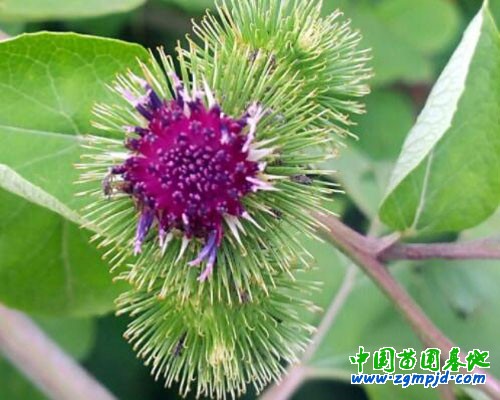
(41, 10)
(447, 176)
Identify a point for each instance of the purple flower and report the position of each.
(189, 169)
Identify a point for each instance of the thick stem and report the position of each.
(285, 389)
(475, 250)
(345, 240)
(57, 375)
(447, 392)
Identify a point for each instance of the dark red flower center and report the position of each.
(188, 169)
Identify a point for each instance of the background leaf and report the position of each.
(48, 265)
(382, 130)
(392, 28)
(49, 83)
(39, 10)
(194, 6)
(363, 179)
(407, 19)
(446, 178)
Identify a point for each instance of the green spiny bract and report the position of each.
(219, 347)
(219, 171)
(322, 53)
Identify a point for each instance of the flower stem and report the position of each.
(56, 374)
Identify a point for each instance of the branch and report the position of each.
(334, 309)
(352, 244)
(57, 375)
(487, 249)
(285, 389)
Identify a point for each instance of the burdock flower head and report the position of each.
(190, 167)
(202, 182)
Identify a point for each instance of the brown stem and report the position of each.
(284, 390)
(43, 362)
(474, 250)
(447, 392)
(350, 243)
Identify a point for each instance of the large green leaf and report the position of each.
(402, 50)
(49, 84)
(75, 336)
(47, 264)
(14, 183)
(448, 175)
(39, 10)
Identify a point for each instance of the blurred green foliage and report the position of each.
(411, 42)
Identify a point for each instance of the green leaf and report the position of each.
(362, 179)
(382, 130)
(402, 50)
(329, 269)
(111, 26)
(447, 176)
(40, 10)
(48, 266)
(75, 336)
(16, 184)
(392, 392)
(12, 28)
(487, 229)
(49, 84)
(406, 20)
(193, 6)
(393, 58)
